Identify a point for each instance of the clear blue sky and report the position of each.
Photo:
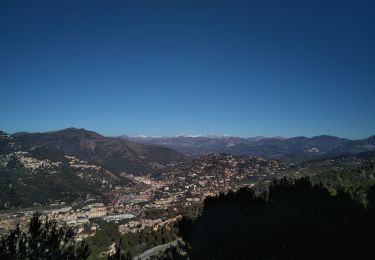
(158, 67)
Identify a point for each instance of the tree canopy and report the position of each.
(44, 239)
(294, 220)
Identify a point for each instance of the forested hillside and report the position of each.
(296, 219)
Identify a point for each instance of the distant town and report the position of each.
(166, 192)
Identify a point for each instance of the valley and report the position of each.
(78, 177)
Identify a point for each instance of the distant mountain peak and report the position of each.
(72, 129)
(75, 132)
(115, 154)
(178, 136)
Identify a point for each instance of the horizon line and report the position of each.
(210, 135)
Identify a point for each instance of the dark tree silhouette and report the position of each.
(295, 220)
(43, 240)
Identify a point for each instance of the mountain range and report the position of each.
(293, 149)
(142, 154)
(71, 163)
(115, 154)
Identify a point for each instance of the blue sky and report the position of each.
(243, 68)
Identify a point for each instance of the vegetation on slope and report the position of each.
(131, 244)
(43, 240)
(294, 220)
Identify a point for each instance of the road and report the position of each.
(153, 251)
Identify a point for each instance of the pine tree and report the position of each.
(43, 240)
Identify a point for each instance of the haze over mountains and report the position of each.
(291, 149)
(140, 153)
